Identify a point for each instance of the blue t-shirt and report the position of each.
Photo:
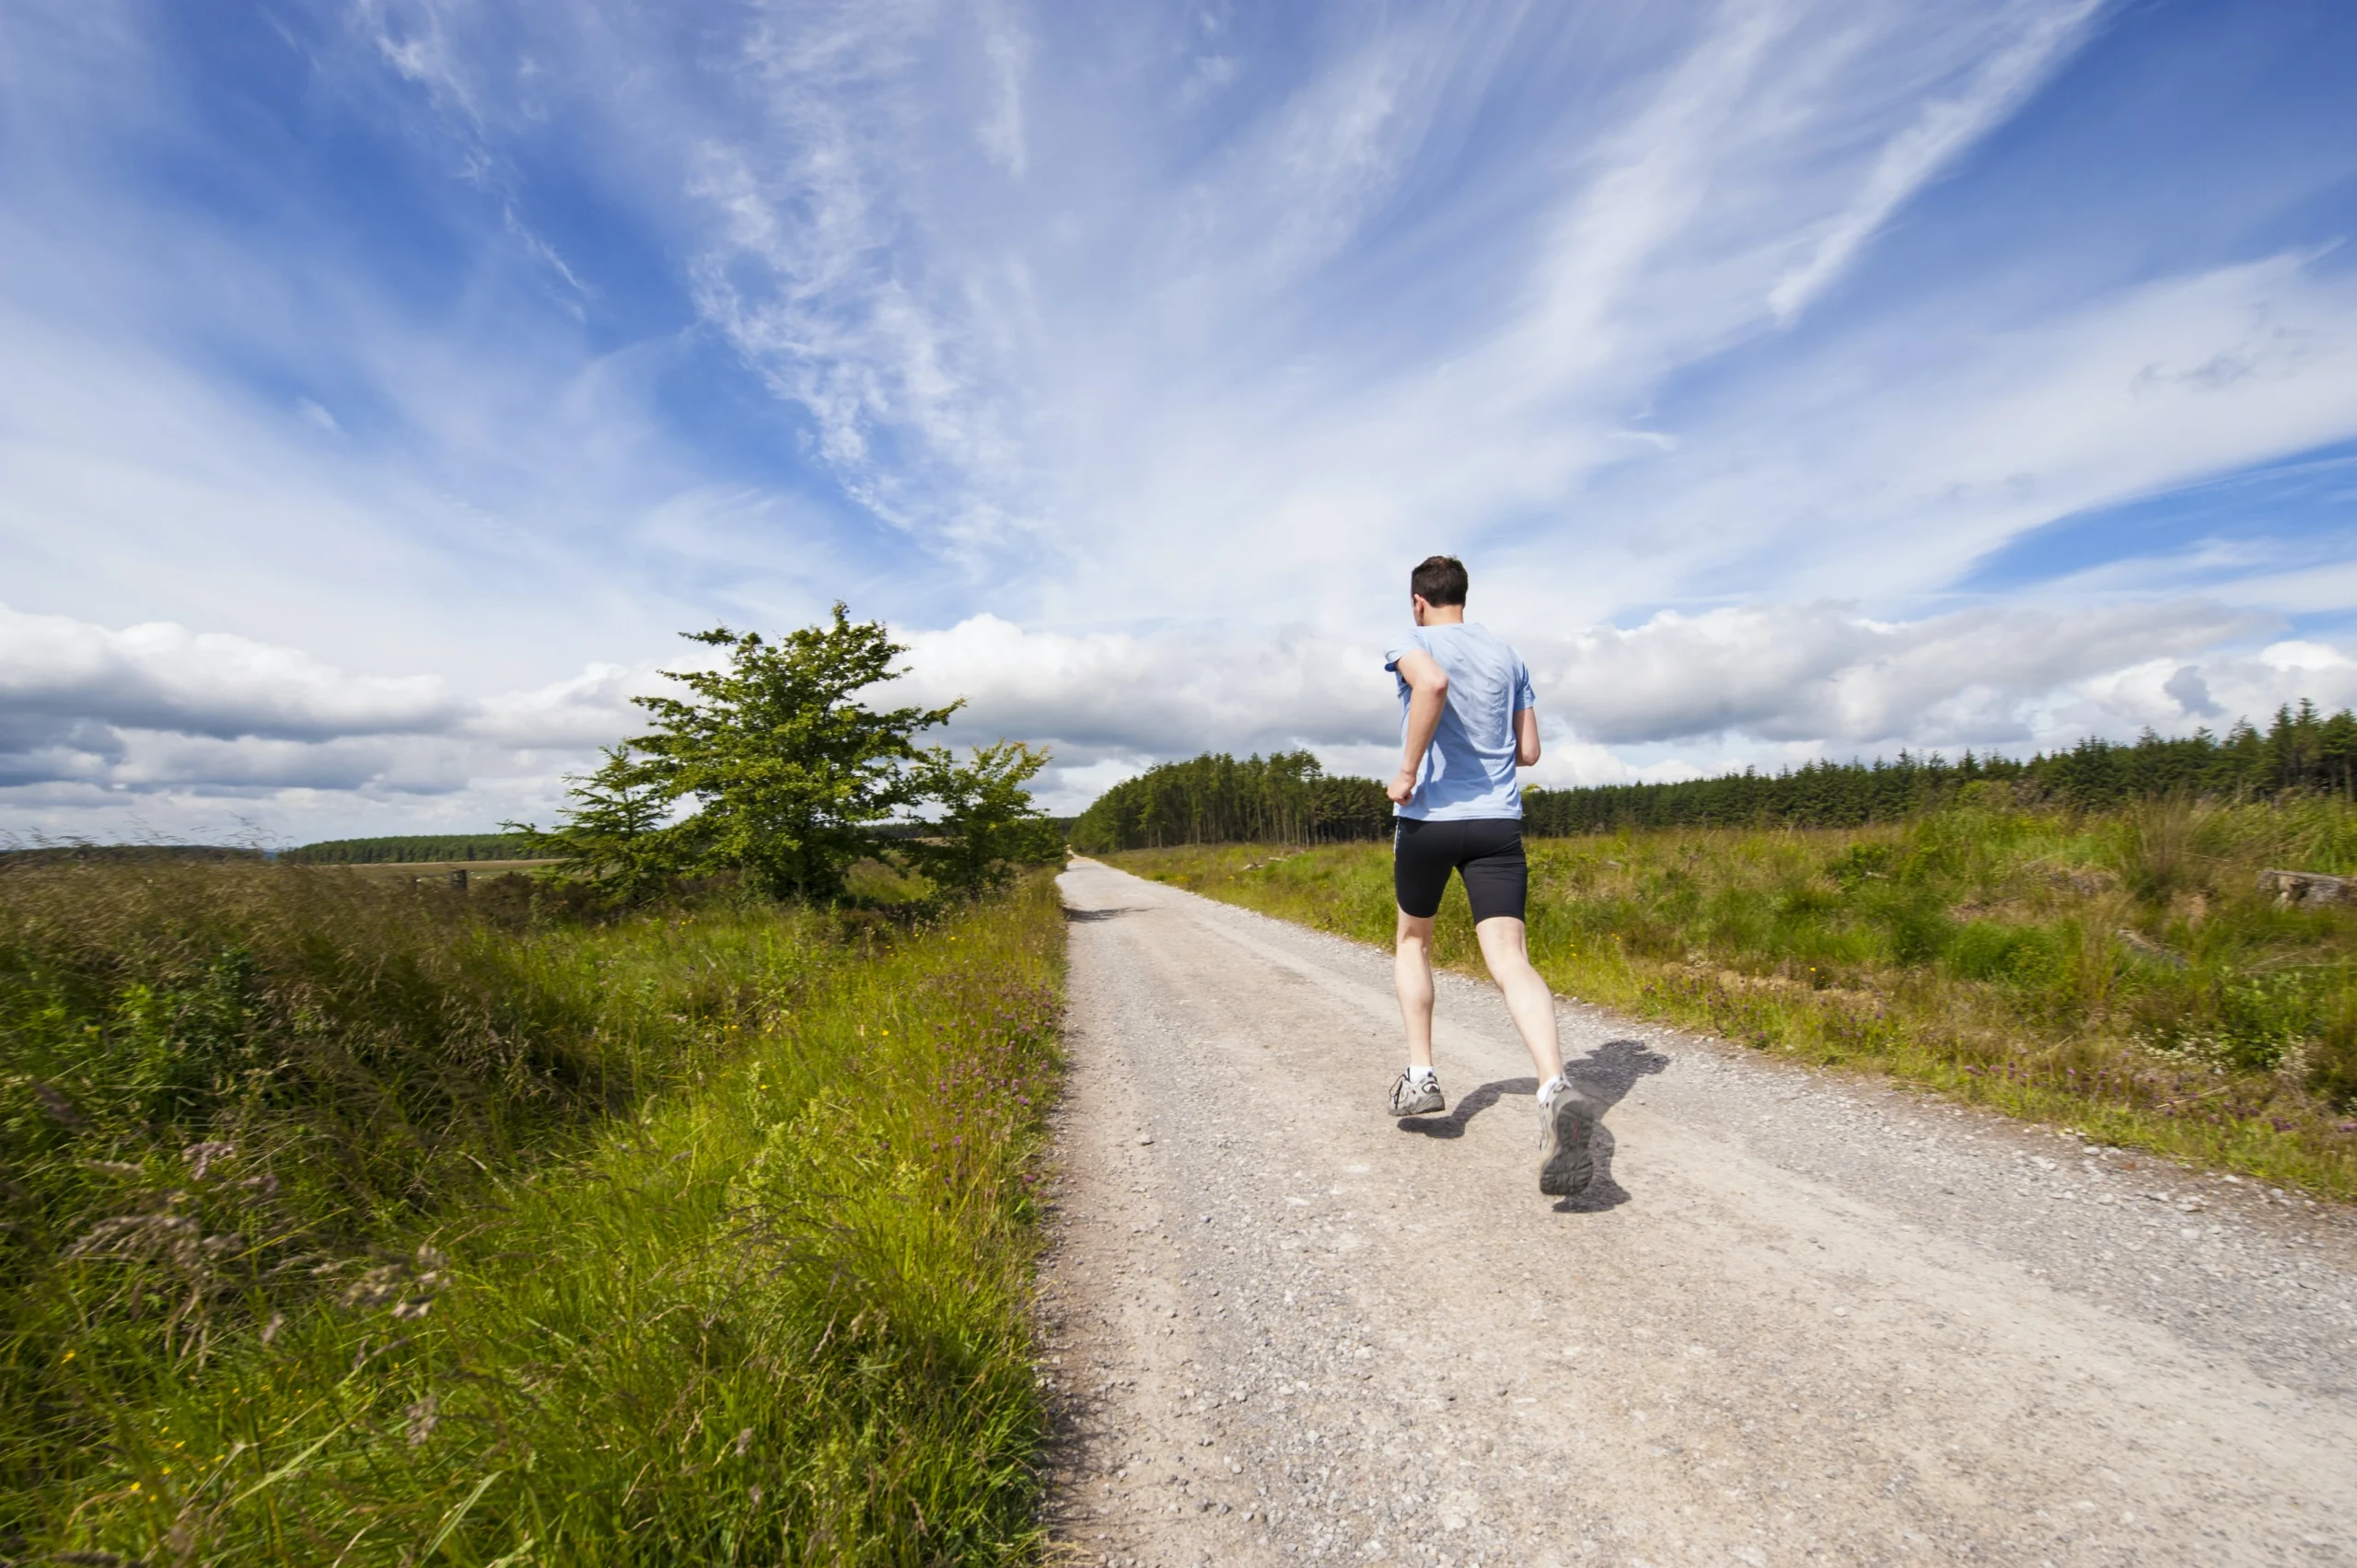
(1468, 772)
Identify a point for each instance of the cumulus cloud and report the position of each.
(1825, 673)
(1772, 683)
(92, 716)
(94, 722)
(164, 676)
(1155, 693)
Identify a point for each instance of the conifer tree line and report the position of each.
(1284, 799)
(1287, 799)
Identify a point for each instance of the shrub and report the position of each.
(2025, 957)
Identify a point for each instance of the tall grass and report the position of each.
(2122, 972)
(364, 1224)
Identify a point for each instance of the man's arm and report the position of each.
(1427, 697)
(1526, 738)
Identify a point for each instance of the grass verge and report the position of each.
(2122, 975)
(348, 1225)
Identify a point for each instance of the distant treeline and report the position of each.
(1286, 799)
(404, 849)
(2301, 750)
(44, 854)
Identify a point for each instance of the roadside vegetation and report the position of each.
(2122, 972)
(349, 1223)
(684, 1215)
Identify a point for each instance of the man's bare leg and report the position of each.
(1411, 977)
(1566, 1115)
(1505, 947)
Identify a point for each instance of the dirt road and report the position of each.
(1796, 1319)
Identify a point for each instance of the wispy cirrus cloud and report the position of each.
(1168, 359)
(2024, 50)
(1127, 358)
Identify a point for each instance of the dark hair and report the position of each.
(1440, 580)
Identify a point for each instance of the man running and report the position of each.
(1466, 720)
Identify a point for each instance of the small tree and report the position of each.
(613, 834)
(988, 827)
(787, 772)
(786, 766)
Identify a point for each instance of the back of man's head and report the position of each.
(1439, 580)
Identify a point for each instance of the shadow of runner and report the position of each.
(1081, 916)
(1606, 1074)
(1473, 1105)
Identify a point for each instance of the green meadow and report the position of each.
(351, 1221)
(2119, 972)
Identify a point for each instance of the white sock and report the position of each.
(1552, 1087)
(1419, 1073)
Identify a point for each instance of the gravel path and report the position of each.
(1798, 1317)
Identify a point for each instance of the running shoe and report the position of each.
(1566, 1128)
(1412, 1096)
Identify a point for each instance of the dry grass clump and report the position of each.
(361, 1223)
(2122, 972)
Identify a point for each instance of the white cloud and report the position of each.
(593, 709)
(2027, 46)
(2303, 657)
(163, 677)
(1008, 50)
(1824, 673)
(97, 724)
(1131, 370)
(1156, 694)
(1676, 696)
(1973, 437)
(1171, 363)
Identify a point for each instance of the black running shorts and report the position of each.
(1486, 852)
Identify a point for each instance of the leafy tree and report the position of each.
(786, 766)
(988, 826)
(773, 767)
(613, 834)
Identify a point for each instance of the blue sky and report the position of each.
(383, 385)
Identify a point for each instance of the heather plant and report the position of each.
(365, 1223)
(2123, 971)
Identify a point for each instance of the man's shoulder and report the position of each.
(1412, 640)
